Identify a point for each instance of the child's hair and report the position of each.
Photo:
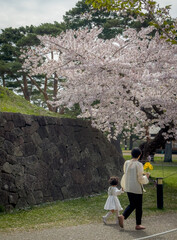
(113, 181)
(136, 152)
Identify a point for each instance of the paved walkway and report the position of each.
(154, 226)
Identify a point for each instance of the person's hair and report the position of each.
(136, 152)
(113, 181)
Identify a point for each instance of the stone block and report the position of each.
(36, 139)
(78, 177)
(13, 198)
(38, 195)
(17, 131)
(31, 199)
(18, 170)
(3, 198)
(19, 182)
(21, 203)
(19, 141)
(28, 119)
(7, 168)
(18, 152)
(42, 121)
(10, 136)
(7, 116)
(65, 192)
(2, 120)
(28, 149)
(3, 157)
(18, 120)
(2, 131)
(30, 181)
(8, 126)
(8, 147)
(43, 132)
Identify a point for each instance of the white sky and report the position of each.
(173, 4)
(16, 13)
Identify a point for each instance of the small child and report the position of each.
(112, 203)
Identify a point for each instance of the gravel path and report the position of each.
(99, 231)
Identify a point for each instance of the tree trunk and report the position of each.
(25, 88)
(168, 152)
(44, 92)
(125, 144)
(61, 110)
(55, 89)
(149, 148)
(3, 80)
(131, 143)
(116, 143)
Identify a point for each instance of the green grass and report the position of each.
(158, 158)
(90, 209)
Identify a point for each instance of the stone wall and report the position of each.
(45, 159)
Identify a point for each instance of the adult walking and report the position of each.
(134, 178)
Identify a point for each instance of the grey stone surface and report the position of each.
(46, 159)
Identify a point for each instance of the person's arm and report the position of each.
(119, 192)
(143, 179)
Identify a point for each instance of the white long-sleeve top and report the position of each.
(134, 178)
(112, 202)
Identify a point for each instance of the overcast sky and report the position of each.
(16, 13)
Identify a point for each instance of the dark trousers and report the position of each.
(136, 201)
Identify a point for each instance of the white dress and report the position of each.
(112, 202)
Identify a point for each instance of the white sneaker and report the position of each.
(104, 220)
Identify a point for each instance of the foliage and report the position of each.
(118, 5)
(160, 17)
(2, 209)
(84, 16)
(52, 29)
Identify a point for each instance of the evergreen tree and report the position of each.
(11, 74)
(83, 15)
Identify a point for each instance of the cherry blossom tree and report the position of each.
(128, 81)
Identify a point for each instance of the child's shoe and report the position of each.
(104, 220)
(121, 221)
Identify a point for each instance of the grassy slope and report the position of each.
(10, 102)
